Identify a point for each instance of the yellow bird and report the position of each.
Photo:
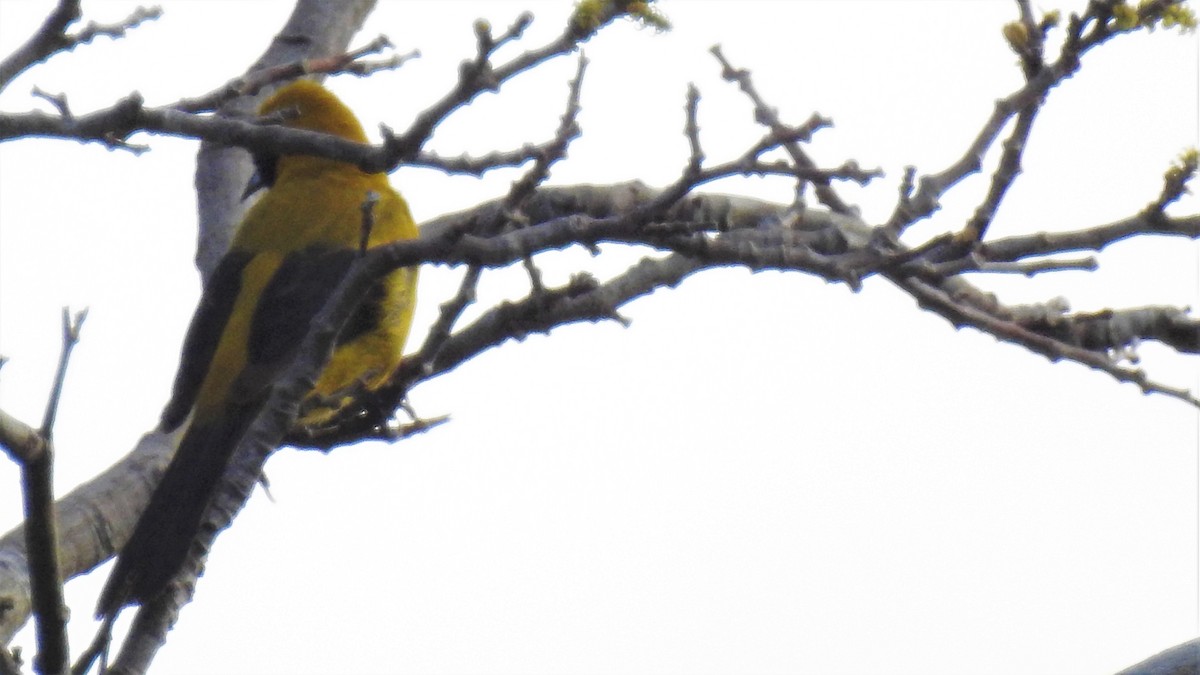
(290, 251)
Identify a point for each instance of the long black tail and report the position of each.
(160, 542)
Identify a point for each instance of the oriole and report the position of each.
(291, 249)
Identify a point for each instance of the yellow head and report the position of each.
(315, 109)
(306, 105)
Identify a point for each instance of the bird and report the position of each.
(289, 252)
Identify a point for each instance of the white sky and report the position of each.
(765, 473)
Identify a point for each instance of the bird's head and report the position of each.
(303, 104)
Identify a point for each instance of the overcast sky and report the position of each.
(764, 473)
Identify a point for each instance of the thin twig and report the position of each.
(1028, 268)
(1039, 81)
(479, 75)
(768, 117)
(691, 130)
(1093, 238)
(70, 337)
(41, 531)
(1175, 183)
(448, 315)
(251, 83)
(52, 38)
(97, 649)
(1006, 173)
(477, 166)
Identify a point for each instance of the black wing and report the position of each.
(204, 333)
(296, 292)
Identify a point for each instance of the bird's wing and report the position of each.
(204, 334)
(293, 291)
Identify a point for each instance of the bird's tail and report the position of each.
(159, 545)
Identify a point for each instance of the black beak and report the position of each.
(255, 184)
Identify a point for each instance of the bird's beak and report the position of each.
(255, 184)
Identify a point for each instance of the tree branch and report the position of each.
(41, 531)
(52, 38)
(687, 231)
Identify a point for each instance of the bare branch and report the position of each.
(1026, 39)
(41, 529)
(1175, 182)
(21, 442)
(568, 130)
(1118, 331)
(1040, 78)
(688, 231)
(52, 38)
(482, 164)
(960, 314)
(1002, 180)
(448, 315)
(1093, 238)
(479, 75)
(1182, 658)
(70, 337)
(253, 82)
(973, 262)
(768, 117)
